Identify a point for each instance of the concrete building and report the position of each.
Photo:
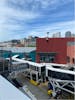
(71, 52)
(52, 50)
(68, 34)
(72, 35)
(11, 43)
(57, 35)
(5, 44)
(29, 42)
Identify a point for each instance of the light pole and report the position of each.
(47, 36)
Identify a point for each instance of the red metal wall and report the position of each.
(58, 45)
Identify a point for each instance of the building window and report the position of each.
(42, 58)
(68, 59)
(51, 59)
(73, 60)
(47, 59)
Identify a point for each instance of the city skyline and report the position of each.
(22, 18)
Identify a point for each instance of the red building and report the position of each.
(54, 50)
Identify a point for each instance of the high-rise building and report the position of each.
(57, 35)
(68, 34)
(72, 35)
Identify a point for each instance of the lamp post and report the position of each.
(47, 36)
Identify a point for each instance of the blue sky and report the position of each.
(22, 18)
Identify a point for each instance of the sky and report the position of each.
(23, 18)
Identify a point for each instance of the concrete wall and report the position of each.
(71, 53)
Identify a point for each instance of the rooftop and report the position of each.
(19, 49)
(10, 92)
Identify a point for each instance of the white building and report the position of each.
(57, 35)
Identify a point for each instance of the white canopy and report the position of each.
(10, 92)
(25, 61)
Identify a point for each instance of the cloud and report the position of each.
(36, 5)
(20, 18)
(13, 12)
(52, 28)
(7, 13)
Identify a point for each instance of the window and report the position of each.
(51, 59)
(60, 75)
(73, 60)
(42, 58)
(34, 77)
(47, 58)
(56, 66)
(43, 69)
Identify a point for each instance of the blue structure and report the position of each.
(23, 52)
(33, 55)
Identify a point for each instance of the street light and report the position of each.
(47, 36)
